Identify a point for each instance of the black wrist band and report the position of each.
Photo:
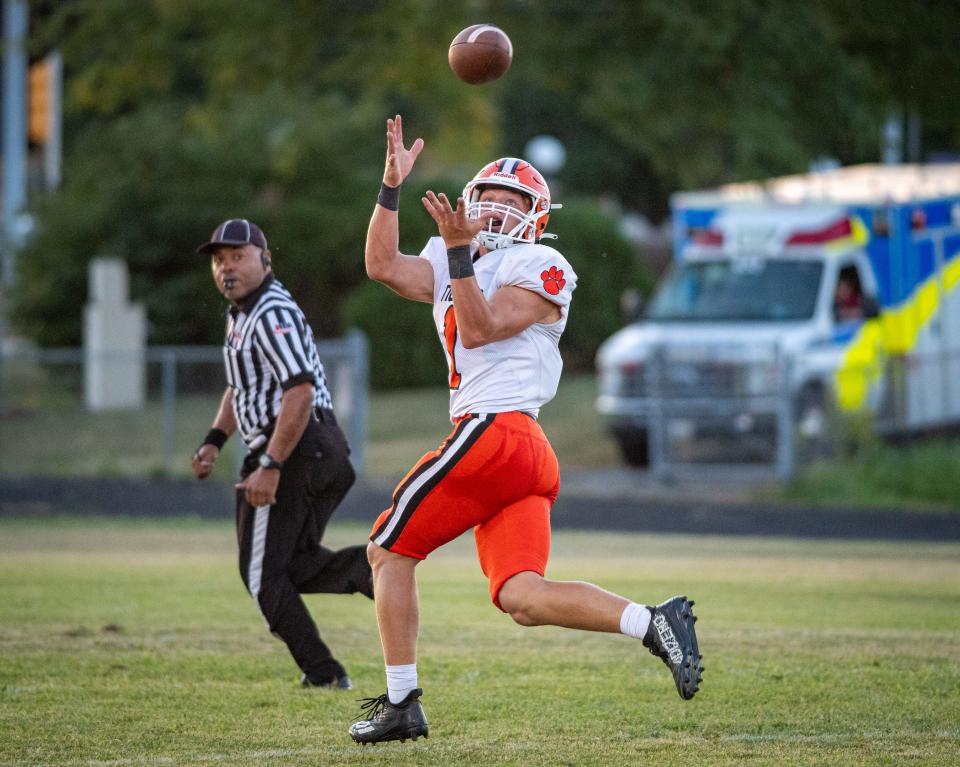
(215, 437)
(460, 261)
(389, 197)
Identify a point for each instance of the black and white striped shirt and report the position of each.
(268, 349)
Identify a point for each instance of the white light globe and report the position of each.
(546, 153)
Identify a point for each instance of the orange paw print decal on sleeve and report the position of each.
(553, 281)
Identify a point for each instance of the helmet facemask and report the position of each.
(515, 226)
(509, 225)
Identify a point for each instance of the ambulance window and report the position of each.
(739, 290)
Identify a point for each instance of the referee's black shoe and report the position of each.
(336, 682)
(672, 638)
(390, 721)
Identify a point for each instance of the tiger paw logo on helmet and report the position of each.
(553, 281)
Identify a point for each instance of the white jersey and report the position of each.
(518, 373)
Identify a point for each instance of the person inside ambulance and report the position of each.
(848, 300)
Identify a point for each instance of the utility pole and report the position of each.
(14, 154)
(14, 132)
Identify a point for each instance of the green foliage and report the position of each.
(879, 474)
(151, 186)
(179, 114)
(703, 93)
(909, 53)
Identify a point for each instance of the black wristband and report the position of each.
(389, 197)
(215, 437)
(460, 261)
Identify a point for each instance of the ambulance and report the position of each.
(838, 288)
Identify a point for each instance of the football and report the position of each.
(481, 53)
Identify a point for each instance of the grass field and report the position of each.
(133, 643)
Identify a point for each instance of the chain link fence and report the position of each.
(706, 413)
(47, 429)
(695, 410)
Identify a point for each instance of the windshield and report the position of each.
(773, 290)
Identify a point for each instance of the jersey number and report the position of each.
(450, 341)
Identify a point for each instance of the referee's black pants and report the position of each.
(280, 552)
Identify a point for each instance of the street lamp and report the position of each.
(547, 153)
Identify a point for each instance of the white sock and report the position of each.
(635, 620)
(400, 681)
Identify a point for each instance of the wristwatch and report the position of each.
(267, 461)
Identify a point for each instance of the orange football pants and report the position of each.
(495, 473)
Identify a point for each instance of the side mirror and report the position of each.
(871, 307)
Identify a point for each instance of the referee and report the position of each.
(297, 469)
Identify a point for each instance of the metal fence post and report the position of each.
(359, 354)
(785, 421)
(169, 409)
(657, 448)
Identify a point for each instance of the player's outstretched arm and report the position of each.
(409, 276)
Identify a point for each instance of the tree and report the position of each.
(679, 94)
(181, 113)
(910, 53)
(184, 114)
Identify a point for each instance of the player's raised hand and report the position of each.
(453, 224)
(400, 160)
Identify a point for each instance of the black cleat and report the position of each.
(338, 682)
(389, 721)
(673, 639)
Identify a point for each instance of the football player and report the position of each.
(500, 303)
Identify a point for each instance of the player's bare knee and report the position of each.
(379, 557)
(518, 598)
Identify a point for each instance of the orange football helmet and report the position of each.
(511, 173)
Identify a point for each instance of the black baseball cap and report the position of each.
(235, 232)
